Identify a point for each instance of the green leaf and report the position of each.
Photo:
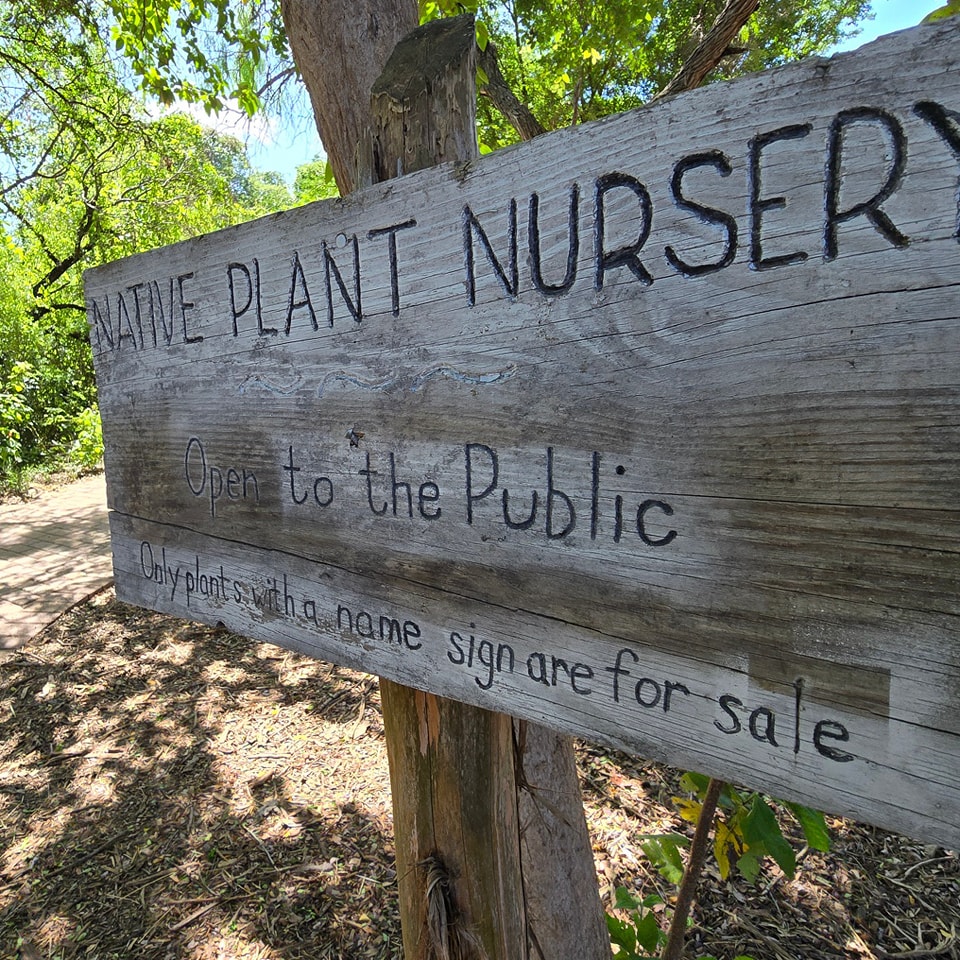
(622, 934)
(648, 933)
(663, 851)
(625, 900)
(762, 832)
(749, 867)
(483, 35)
(695, 783)
(815, 830)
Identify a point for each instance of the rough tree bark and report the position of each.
(491, 837)
(340, 49)
(712, 49)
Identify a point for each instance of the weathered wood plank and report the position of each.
(692, 428)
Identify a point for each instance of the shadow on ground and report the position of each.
(54, 551)
(174, 791)
(170, 791)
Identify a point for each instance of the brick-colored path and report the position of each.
(54, 551)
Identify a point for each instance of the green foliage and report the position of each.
(640, 930)
(87, 176)
(640, 936)
(314, 181)
(87, 449)
(200, 51)
(950, 9)
(571, 61)
(815, 830)
(747, 829)
(41, 366)
(14, 415)
(663, 851)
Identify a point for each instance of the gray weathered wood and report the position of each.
(502, 814)
(786, 427)
(454, 812)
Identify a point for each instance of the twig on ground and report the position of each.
(938, 951)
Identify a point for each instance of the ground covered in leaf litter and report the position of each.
(169, 791)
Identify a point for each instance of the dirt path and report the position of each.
(54, 552)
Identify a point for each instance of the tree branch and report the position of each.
(82, 246)
(518, 114)
(712, 49)
(278, 79)
(691, 876)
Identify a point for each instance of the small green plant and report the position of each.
(746, 830)
(640, 931)
(640, 936)
(87, 448)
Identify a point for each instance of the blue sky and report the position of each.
(285, 147)
(891, 15)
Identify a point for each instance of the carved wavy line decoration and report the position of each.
(269, 386)
(413, 384)
(462, 376)
(342, 376)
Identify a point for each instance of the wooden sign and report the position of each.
(647, 430)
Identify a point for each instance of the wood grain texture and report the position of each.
(451, 775)
(461, 782)
(452, 765)
(725, 366)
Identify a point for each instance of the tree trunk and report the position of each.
(504, 99)
(493, 856)
(565, 919)
(340, 49)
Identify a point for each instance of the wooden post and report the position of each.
(493, 855)
(455, 821)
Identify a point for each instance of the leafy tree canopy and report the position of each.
(569, 60)
(575, 60)
(87, 176)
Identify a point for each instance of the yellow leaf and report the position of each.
(728, 845)
(688, 809)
